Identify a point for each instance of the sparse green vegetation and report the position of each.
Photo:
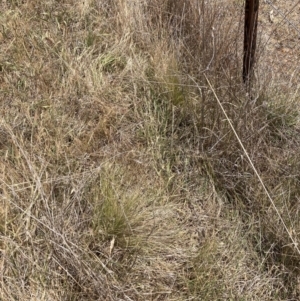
(121, 178)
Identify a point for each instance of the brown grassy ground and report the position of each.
(121, 179)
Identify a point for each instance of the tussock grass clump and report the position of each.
(121, 178)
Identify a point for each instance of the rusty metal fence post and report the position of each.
(250, 33)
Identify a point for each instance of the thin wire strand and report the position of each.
(284, 15)
(252, 165)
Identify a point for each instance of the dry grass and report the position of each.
(120, 177)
